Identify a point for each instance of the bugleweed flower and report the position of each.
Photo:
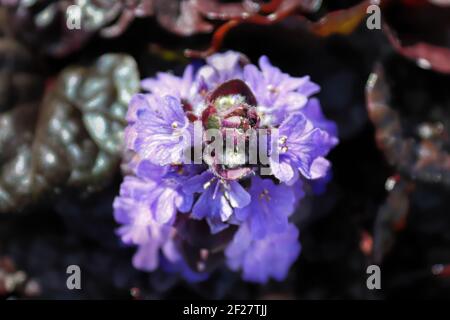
(229, 145)
(161, 130)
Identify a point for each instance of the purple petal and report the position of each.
(204, 205)
(146, 257)
(164, 208)
(197, 183)
(237, 195)
(282, 169)
(319, 168)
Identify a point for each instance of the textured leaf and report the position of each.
(77, 139)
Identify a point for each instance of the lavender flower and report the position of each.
(218, 199)
(169, 84)
(146, 209)
(313, 112)
(301, 148)
(131, 209)
(278, 93)
(229, 187)
(161, 129)
(269, 209)
(221, 68)
(259, 260)
(167, 194)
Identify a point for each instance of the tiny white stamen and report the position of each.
(283, 139)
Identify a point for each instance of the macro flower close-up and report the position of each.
(255, 146)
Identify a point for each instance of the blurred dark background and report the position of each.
(373, 211)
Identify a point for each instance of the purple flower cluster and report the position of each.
(228, 95)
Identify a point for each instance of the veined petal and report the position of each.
(282, 169)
